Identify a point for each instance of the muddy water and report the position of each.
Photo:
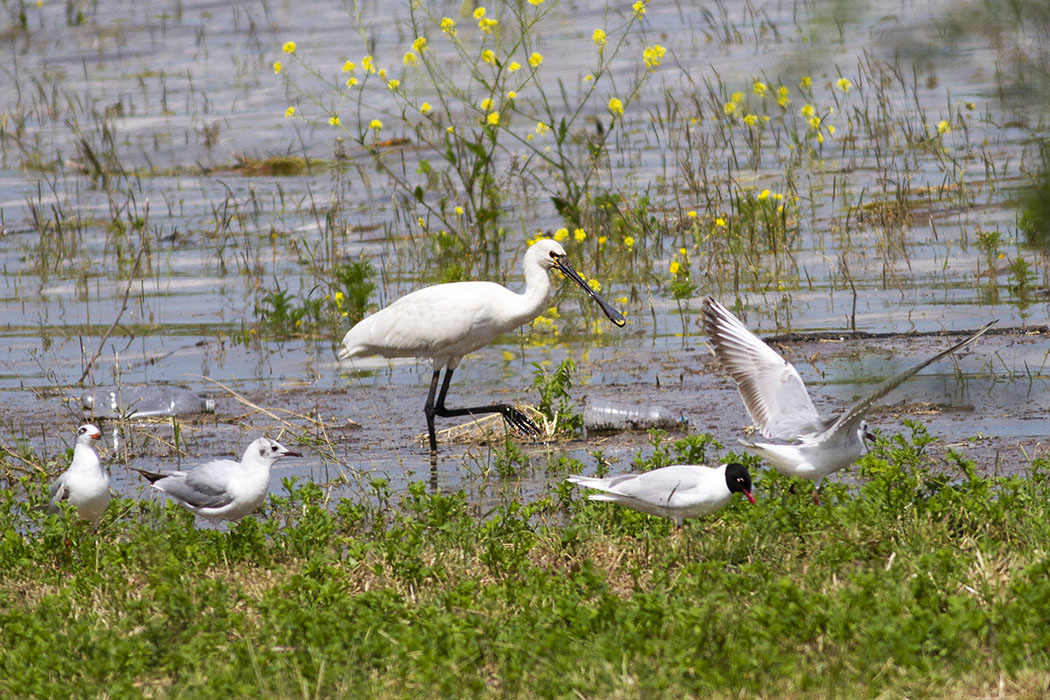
(184, 89)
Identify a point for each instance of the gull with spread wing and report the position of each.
(808, 445)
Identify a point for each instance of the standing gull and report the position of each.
(809, 445)
(223, 489)
(85, 484)
(444, 322)
(676, 492)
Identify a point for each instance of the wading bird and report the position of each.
(810, 445)
(223, 489)
(444, 322)
(677, 492)
(85, 484)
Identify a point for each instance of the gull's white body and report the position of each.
(223, 489)
(809, 445)
(676, 492)
(85, 484)
(444, 322)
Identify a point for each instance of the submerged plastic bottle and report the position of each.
(144, 401)
(604, 415)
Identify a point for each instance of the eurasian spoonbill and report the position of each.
(444, 322)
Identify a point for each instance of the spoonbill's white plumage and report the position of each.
(444, 322)
(85, 484)
(809, 445)
(223, 489)
(676, 492)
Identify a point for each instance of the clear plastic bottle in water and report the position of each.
(144, 401)
(605, 415)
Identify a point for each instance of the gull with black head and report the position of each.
(676, 492)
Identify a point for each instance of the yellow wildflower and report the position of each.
(375, 124)
(289, 47)
(422, 223)
(674, 267)
(720, 222)
(760, 89)
(729, 108)
(450, 129)
(602, 240)
(459, 211)
(493, 118)
(382, 73)
(782, 96)
(349, 66)
(814, 122)
(290, 112)
(807, 111)
(806, 81)
(750, 119)
(691, 214)
(561, 234)
(535, 60)
(844, 84)
(333, 120)
(629, 242)
(682, 252)
(536, 3)
(652, 55)
(639, 8)
(368, 64)
(511, 94)
(487, 25)
(448, 27)
(763, 195)
(479, 13)
(594, 284)
(420, 44)
(579, 235)
(513, 66)
(616, 106)
(598, 37)
(736, 97)
(488, 57)
(425, 109)
(351, 81)
(542, 128)
(410, 59)
(486, 104)
(830, 128)
(277, 67)
(943, 127)
(588, 78)
(394, 84)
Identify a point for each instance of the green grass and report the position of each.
(919, 582)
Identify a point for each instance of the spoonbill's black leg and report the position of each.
(428, 409)
(512, 415)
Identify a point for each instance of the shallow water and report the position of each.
(188, 88)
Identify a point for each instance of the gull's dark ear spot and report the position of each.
(262, 451)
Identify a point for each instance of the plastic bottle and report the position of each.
(604, 415)
(144, 401)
